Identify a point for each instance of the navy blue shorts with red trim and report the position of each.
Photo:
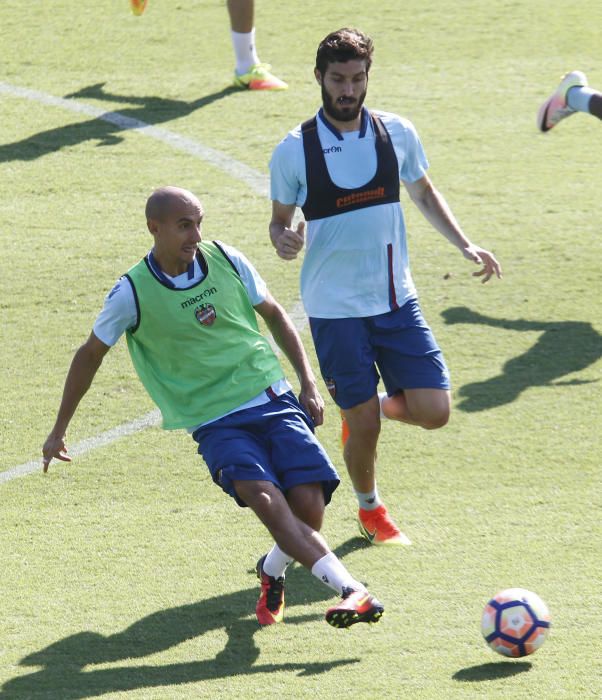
(271, 442)
(399, 345)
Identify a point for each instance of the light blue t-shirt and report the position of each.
(348, 269)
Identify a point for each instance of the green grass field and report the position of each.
(128, 574)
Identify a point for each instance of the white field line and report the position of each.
(93, 443)
(255, 180)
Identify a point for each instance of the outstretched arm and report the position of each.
(437, 212)
(288, 340)
(84, 366)
(288, 242)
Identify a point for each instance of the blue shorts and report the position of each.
(399, 343)
(271, 442)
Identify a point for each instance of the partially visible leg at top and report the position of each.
(241, 15)
(250, 73)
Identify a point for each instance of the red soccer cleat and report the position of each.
(270, 606)
(378, 527)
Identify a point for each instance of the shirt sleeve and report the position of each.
(118, 313)
(287, 170)
(411, 157)
(253, 282)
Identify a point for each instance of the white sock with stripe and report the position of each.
(331, 571)
(370, 500)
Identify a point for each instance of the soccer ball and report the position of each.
(515, 622)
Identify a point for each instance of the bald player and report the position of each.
(188, 311)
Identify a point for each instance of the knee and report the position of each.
(257, 496)
(437, 419)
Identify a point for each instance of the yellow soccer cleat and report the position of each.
(258, 77)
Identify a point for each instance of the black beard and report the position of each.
(342, 114)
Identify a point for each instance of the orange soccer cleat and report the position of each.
(378, 527)
(138, 6)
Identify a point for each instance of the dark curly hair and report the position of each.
(344, 45)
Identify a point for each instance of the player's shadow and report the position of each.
(67, 671)
(492, 671)
(106, 129)
(562, 348)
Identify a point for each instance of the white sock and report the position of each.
(244, 50)
(578, 98)
(382, 395)
(276, 562)
(370, 500)
(331, 572)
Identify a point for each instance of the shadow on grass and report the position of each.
(562, 348)
(492, 671)
(106, 129)
(65, 672)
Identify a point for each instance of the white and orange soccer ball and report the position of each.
(515, 622)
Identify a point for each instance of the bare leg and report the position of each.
(363, 421)
(308, 547)
(307, 503)
(427, 408)
(241, 15)
(292, 535)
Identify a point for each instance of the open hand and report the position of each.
(480, 256)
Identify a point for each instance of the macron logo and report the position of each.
(332, 149)
(194, 300)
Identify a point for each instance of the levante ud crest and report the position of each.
(205, 314)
